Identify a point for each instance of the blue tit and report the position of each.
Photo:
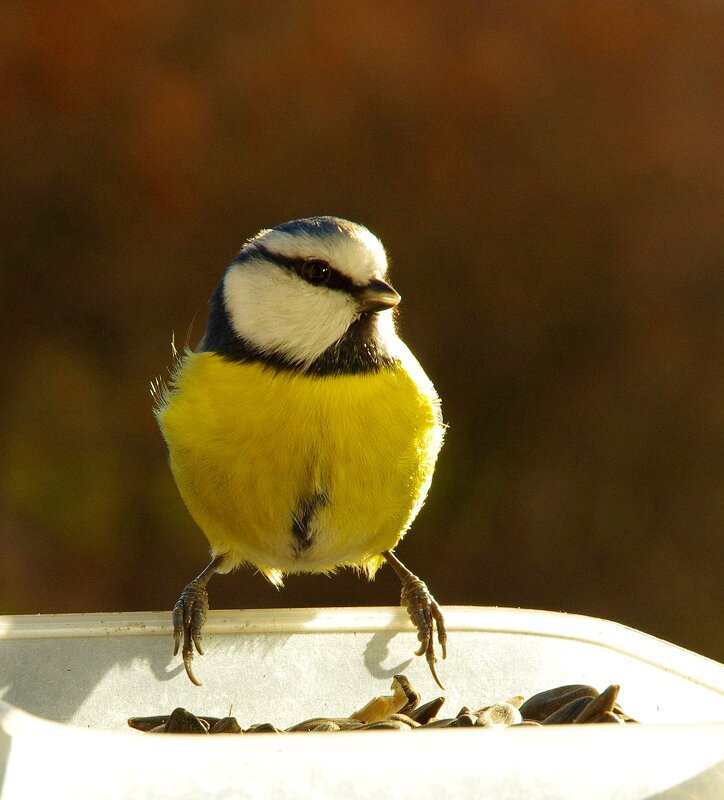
(302, 432)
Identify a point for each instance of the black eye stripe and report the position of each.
(336, 279)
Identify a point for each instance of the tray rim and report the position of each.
(480, 619)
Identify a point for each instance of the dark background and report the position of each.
(548, 179)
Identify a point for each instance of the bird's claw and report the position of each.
(189, 615)
(425, 614)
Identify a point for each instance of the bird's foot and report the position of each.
(189, 615)
(426, 615)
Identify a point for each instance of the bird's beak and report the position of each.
(377, 296)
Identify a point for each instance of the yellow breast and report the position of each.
(293, 473)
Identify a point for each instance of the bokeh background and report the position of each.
(548, 179)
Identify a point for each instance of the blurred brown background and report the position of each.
(548, 179)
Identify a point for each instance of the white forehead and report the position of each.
(346, 246)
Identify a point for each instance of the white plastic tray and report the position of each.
(91, 672)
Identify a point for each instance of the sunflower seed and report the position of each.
(568, 713)
(498, 715)
(543, 704)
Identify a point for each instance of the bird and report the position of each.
(302, 432)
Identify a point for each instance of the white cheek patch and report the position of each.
(387, 332)
(359, 254)
(277, 312)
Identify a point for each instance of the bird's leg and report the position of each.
(189, 615)
(424, 612)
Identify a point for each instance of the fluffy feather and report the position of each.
(352, 248)
(296, 472)
(247, 443)
(277, 311)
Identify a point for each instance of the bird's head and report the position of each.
(296, 291)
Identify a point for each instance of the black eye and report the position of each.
(315, 271)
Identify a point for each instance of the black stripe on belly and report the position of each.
(303, 518)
